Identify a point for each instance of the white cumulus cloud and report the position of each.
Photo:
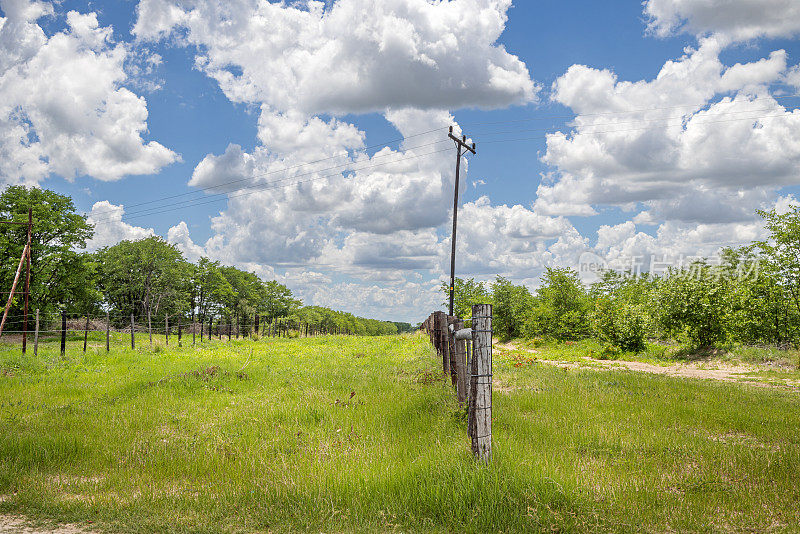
(63, 107)
(349, 55)
(109, 228)
(700, 142)
(736, 20)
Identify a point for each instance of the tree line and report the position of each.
(749, 296)
(147, 278)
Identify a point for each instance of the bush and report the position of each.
(562, 307)
(694, 307)
(619, 325)
(511, 305)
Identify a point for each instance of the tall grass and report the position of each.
(361, 434)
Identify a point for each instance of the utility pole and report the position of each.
(27, 282)
(461, 145)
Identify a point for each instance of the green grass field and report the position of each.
(362, 434)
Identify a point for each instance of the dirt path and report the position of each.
(13, 524)
(722, 371)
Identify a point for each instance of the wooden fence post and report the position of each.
(480, 399)
(36, 335)
(194, 327)
(63, 332)
(444, 348)
(230, 326)
(179, 330)
(460, 363)
(86, 333)
(108, 331)
(436, 336)
(149, 325)
(133, 329)
(255, 325)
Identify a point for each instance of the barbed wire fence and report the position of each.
(118, 329)
(466, 355)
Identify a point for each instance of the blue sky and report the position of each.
(611, 130)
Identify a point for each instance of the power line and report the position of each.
(279, 183)
(410, 136)
(636, 129)
(263, 187)
(217, 186)
(623, 112)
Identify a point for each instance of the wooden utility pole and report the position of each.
(461, 144)
(27, 281)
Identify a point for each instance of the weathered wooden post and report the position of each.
(255, 326)
(230, 326)
(444, 346)
(36, 335)
(194, 328)
(436, 337)
(480, 398)
(108, 331)
(460, 363)
(179, 330)
(86, 333)
(133, 339)
(63, 332)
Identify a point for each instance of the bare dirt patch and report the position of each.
(14, 524)
(709, 370)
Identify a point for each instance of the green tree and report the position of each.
(617, 316)
(62, 277)
(562, 306)
(148, 275)
(467, 292)
(278, 301)
(510, 305)
(210, 289)
(694, 305)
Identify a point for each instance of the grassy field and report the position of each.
(361, 434)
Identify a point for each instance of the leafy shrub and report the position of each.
(561, 309)
(620, 325)
(510, 308)
(694, 307)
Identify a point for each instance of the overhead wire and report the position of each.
(292, 180)
(218, 186)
